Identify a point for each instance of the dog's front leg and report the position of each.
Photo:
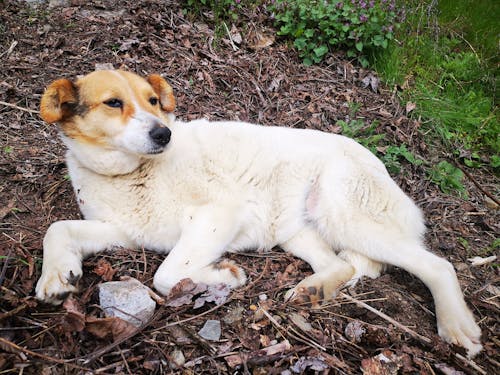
(207, 231)
(65, 244)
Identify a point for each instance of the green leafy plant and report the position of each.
(446, 61)
(354, 25)
(222, 9)
(449, 178)
(390, 155)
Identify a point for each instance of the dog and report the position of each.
(198, 189)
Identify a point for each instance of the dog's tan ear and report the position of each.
(58, 101)
(164, 91)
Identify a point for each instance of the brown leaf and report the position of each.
(109, 327)
(410, 106)
(104, 269)
(183, 292)
(386, 363)
(74, 320)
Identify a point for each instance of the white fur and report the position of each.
(235, 186)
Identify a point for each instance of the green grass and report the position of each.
(446, 61)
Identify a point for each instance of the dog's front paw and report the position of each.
(230, 274)
(59, 279)
(460, 328)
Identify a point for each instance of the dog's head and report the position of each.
(113, 110)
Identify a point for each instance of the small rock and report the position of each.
(178, 359)
(354, 331)
(262, 297)
(128, 300)
(211, 330)
(234, 315)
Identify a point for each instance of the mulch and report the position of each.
(216, 76)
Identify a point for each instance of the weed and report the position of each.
(8, 149)
(222, 10)
(390, 155)
(445, 60)
(355, 25)
(448, 177)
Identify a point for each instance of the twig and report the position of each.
(230, 38)
(4, 267)
(18, 107)
(386, 317)
(16, 347)
(469, 176)
(415, 335)
(13, 312)
(292, 332)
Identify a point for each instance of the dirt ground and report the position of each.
(217, 78)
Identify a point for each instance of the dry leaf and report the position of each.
(183, 292)
(309, 363)
(301, 322)
(354, 331)
(109, 327)
(104, 269)
(386, 363)
(410, 106)
(74, 320)
(215, 293)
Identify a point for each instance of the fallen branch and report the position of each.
(18, 107)
(412, 333)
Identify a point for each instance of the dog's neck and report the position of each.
(100, 160)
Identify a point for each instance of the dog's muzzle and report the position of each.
(160, 135)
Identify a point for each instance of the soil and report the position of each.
(217, 77)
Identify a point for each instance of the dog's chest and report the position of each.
(136, 203)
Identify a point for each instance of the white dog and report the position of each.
(199, 189)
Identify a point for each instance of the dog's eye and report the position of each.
(153, 100)
(114, 103)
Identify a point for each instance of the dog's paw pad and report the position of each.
(311, 296)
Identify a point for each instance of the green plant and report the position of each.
(446, 61)
(449, 178)
(354, 25)
(222, 9)
(391, 155)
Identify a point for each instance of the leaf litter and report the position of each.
(262, 81)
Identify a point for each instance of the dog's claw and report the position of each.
(56, 282)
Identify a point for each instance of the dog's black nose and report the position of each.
(160, 135)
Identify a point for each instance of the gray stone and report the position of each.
(127, 299)
(211, 330)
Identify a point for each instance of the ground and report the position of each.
(217, 78)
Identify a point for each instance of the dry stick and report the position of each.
(38, 355)
(292, 332)
(387, 317)
(10, 313)
(19, 108)
(415, 335)
(488, 194)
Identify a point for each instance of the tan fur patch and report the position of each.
(164, 91)
(59, 92)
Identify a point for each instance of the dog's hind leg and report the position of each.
(65, 244)
(330, 271)
(206, 234)
(363, 266)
